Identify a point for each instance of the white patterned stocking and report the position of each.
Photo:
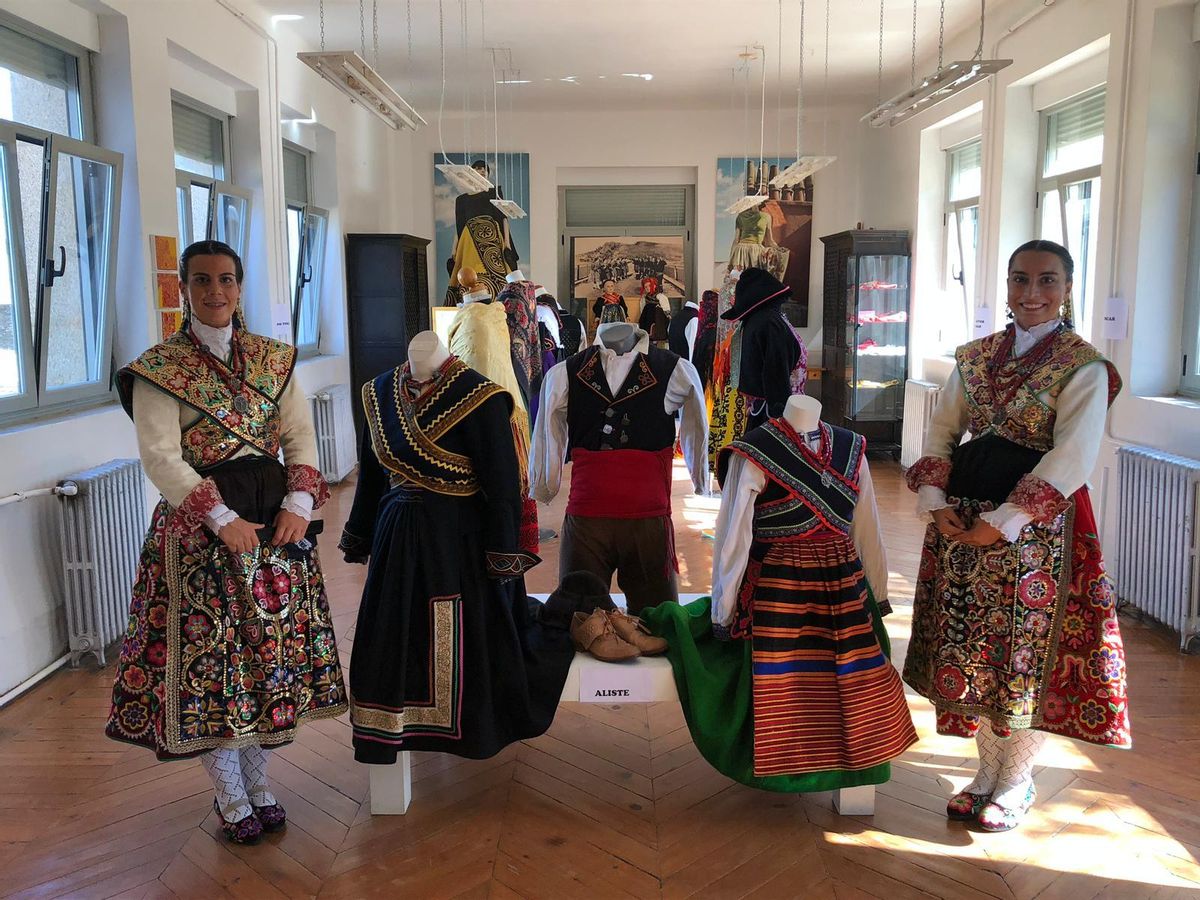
(225, 771)
(1016, 773)
(254, 770)
(991, 757)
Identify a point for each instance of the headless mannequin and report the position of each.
(426, 354)
(620, 337)
(803, 413)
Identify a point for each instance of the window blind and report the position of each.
(295, 177)
(199, 137)
(33, 59)
(619, 207)
(966, 170)
(1075, 135)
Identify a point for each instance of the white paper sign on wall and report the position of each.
(615, 683)
(1115, 324)
(982, 325)
(281, 322)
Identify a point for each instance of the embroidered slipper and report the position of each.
(244, 831)
(965, 806)
(273, 817)
(996, 818)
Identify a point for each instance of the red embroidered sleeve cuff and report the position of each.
(928, 470)
(1039, 499)
(188, 517)
(309, 480)
(510, 565)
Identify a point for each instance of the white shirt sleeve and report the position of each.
(949, 421)
(735, 533)
(546, 317)
(685, 393)
(156, 421)
(864, 531)
(689, 333)
(548, 448)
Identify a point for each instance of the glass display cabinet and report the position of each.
(865, 325)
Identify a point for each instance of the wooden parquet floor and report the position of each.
(613, 802)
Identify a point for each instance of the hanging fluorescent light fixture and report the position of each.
(462, 176)
(949, 79)
(759, 195)
(804, 166)
(351, 74)
(511, 209)
(354, 77)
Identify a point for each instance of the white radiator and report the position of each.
(1157, 567)
(102, 528)
(337, 450)
(920, 397)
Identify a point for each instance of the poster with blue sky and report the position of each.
(733, 183)
(512, 175)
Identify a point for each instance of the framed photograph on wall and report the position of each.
(625, 261)
(776, 236)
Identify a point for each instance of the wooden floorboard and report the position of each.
(614, 801)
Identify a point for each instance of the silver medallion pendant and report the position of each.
(241, 404)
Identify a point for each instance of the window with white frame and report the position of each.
(964, 181)
(58, 221)
(1069, 189)
(307, 227)
(209, 206)
(1189, 383)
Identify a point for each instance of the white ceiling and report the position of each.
(689, 46)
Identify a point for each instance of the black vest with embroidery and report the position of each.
(632, 420)
(804, 494)
(677, 331)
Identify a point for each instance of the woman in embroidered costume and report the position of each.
(610, 305)
(447, 655)
(784, 675)
(230, 642)
(1014, 624)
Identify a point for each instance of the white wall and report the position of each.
(144, 49)
(625, 147)
(1153, 79)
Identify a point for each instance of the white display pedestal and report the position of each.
(391, 786)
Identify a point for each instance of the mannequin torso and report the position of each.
(803, 413)
(426, 353)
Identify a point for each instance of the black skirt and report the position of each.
(445, 657)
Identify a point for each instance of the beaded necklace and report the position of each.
(235, 380)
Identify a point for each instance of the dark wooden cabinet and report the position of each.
(387, 301)
(865, 333)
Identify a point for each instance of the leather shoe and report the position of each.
(633, 631)
(595, 635)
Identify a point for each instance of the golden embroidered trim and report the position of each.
(440, 712)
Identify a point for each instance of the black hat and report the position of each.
(754, 288)
(578, 592)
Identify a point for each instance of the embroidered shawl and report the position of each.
(405, 431)
(1024, 417)
(177, 367)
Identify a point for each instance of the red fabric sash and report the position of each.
(620, 484)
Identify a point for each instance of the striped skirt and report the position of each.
(825, 694)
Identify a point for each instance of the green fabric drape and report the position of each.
(714, 678)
